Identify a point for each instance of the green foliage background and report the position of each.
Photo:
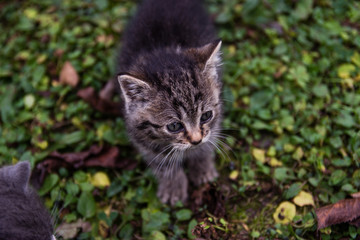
(292, 72)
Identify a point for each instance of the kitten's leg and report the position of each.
(172, 184)
(172, 189)
(201, 167)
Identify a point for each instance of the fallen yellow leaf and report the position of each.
(285, 213)
(100, 179)
(274, 162)
(259, 154)
(298, 154)
(42, 144)
(304, 198)
(345, 70)
(271, 151)
(289, 147)
(356, 59)
(234, 175)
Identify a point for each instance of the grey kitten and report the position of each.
(170, 83)
(22, 213)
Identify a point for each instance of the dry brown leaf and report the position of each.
(68, 75)
(59, 52)
(70, 230)
(108, 91)
(102, 102)
(105, 39)
(95, 156)
(340, 212)
(356, 195)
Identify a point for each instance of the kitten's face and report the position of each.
(187, 115)
(177, 106)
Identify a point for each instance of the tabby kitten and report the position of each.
(170, 83)
(22, 214)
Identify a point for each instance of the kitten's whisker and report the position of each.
(176, 160)
(226, 100)
(222, 138)
(169, 165)
(166, 148)
(226, 146)
(57, 235)
(227, 129)
(58, 216)
(180, 161)
(219, 136)
(222, 129)
(55, 211)
(218, 147)
(159, 167)
(218, 132)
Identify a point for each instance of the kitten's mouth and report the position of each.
(190, 146)
(187, 147)
(201, 143)
(181, 146)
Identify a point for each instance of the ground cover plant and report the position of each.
(292, 98)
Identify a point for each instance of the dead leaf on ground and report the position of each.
(68, 75)
(343, 211)
(108, 91)
(102, 101)
(95, 156)
(107, 40)
(356, 195)
(59, 53)
(70, 230)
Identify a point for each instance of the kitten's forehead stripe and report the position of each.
(179, 87)
(198, 96)
(146, 124)
(193, 79)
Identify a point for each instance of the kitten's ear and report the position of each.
(208, 55)
(211, 53)
(133, 89)
(19, 174)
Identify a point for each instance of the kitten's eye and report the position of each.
(175, 127)
(206, 117)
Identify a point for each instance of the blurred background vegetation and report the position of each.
(292, 99)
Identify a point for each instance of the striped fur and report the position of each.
(170, 73)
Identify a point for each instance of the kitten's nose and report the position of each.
(195, 138)
(196, 143)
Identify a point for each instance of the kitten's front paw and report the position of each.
(203, 174)
(172, 190)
